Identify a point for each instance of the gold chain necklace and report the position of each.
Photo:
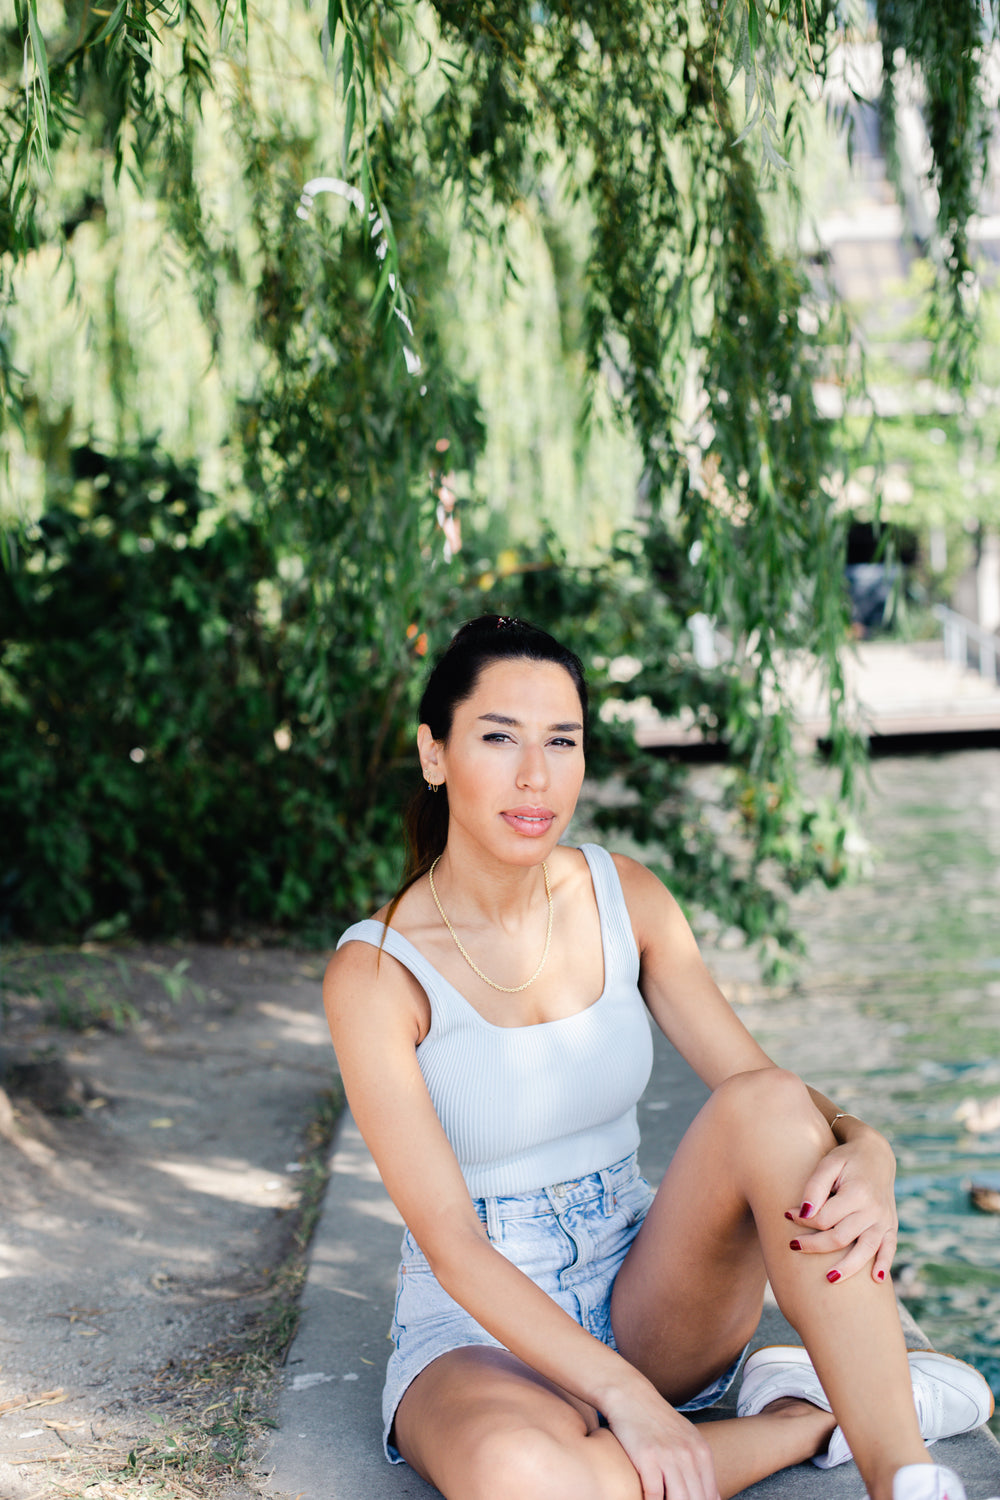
(508, 989)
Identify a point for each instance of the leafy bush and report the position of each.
(142, 685)
(137, 706)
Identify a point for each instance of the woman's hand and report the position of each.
(667, 1451)
(849, 1202)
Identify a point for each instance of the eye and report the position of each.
(564, 740)
(495, 738)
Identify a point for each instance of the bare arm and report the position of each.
(850, 1196)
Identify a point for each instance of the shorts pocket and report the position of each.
(634, 1200)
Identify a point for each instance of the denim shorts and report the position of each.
(570, 1238)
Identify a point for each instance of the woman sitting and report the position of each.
(555, 1318)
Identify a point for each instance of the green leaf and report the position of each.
(349, 121)
(750, 90)
(382, 288)
(39, 52)
(134, 45)
(334, 16)
(768, 141)
(743, 55)
(112, 23)
(753, 24)
(751, 123)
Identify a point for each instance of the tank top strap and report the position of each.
(398, 947)
(621, 952)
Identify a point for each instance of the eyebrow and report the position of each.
(572, 728)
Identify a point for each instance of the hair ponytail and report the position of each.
(425, 824)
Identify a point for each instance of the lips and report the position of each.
(531, 822)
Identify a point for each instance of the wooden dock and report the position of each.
(896, 690)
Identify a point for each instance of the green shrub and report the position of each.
(140, 692)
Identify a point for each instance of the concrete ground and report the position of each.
(328, 1444)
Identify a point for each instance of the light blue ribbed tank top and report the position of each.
(527, 1106)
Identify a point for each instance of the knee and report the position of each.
(527, 1463)
(767, 1099)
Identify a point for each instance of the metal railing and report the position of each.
(967, 643)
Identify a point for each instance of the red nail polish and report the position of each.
(881, 1275)
(806, 1210)
(794, 1245)
(789, 1217)
(833, 1275)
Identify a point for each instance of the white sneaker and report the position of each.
(927, 1482)
(950, 1396)
(776, 1371)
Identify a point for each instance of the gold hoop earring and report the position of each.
(432, 786)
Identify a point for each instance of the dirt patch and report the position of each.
(153, 1180)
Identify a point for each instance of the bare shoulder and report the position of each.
(365, 987)
(640, 884)
(356, 962)
(635, 877)
(655, 913)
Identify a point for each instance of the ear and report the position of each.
(430, 756)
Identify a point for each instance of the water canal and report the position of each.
(896, 1014)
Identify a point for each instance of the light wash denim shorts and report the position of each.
(570, 1238)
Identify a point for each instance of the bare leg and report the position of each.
(716, 1228)
(480, 1425)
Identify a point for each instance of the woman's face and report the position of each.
(513, 762)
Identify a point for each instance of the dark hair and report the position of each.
(477, 645)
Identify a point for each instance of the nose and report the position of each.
(533, 771)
